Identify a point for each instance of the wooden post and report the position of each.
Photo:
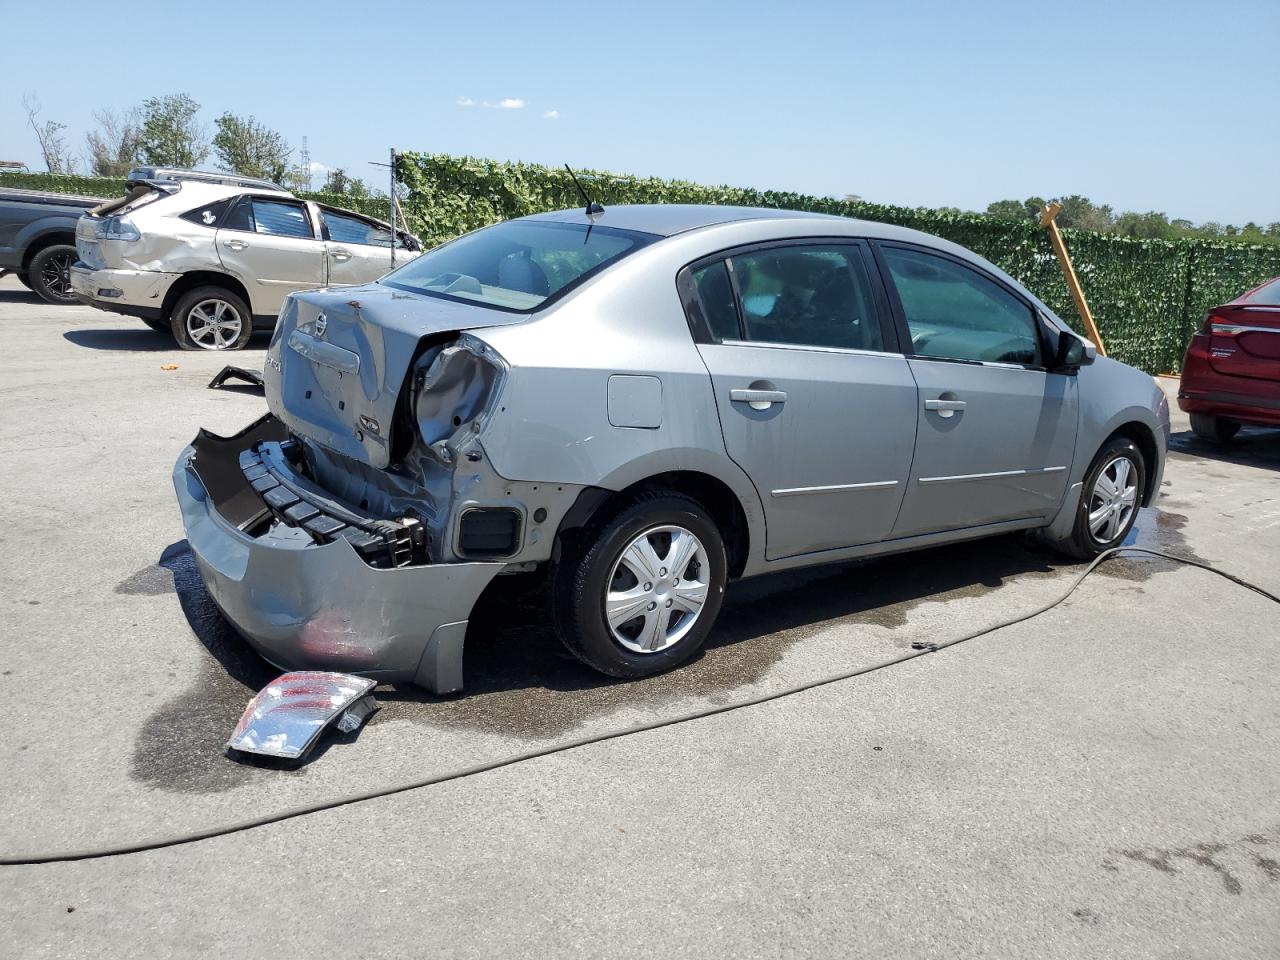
(1048, 220)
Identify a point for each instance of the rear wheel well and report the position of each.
(203, 278)
(1145, 441)
(43, 241)
(595, 505)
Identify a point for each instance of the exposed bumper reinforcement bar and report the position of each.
(305, 605)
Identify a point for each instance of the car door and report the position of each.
(271, 245)
(815, 402)
(356, 250)
(996, 429)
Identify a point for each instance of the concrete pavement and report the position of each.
(1100, 781)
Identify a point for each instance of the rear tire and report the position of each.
(1213, 429)
(1110, 499)
(49, 274)
(659, 565)
(211, 318)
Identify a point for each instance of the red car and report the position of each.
(1231, 374)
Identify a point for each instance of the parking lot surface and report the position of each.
(1098, 781)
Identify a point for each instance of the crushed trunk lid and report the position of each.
(339, 360)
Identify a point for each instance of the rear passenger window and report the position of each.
(209, 214)
(954, 312)
(715, 298)
(817, 296)
(281, 219)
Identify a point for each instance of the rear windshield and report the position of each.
(1267, 295)
(518, 265)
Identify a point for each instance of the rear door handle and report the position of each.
(234, 244)
(340, 255)
(758, 399)
(945, 408)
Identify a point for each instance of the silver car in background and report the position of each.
(649, 402)
(209, 261)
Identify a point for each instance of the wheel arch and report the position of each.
(50, 237)
(724, 504)
(202, 278)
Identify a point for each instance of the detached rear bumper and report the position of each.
(319, 606)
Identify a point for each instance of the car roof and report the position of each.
(668, 219)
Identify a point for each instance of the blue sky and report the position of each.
(1168, 106)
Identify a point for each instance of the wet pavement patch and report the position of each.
(522, 683)
(1216, 857)
(181, 746)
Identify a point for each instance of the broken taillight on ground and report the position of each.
(288, 715)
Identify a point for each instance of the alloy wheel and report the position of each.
(55, 275)
(214, 324)
(1113, 499)
(657, 589)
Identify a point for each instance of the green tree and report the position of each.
(114, 146)
(171, 134)
(1081, 213)
(1007, 209)
(338, 182)
(243, 145)
(1147, 226)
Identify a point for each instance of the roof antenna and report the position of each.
(592, 206)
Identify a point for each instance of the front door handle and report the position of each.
(234, 244)
(758, 399)
(945, 408)
(340, 255)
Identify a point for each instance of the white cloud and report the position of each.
(318, 168)
(507, 103)
(551, 115)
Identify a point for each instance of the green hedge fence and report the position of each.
(1147, 296)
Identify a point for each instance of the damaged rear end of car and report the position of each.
(355, 526)
(323, 530)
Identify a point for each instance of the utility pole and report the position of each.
(391, 203)
(1048, 220)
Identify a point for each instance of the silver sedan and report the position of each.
(650, 402)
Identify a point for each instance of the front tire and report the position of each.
(49, 274)
(1213, 429)
(211, 318)
(638, 593)
(1109, 501)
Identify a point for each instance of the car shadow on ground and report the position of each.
(143, 338)
(1251, 447)
(136, 339)
(21, 295)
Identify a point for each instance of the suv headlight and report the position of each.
(117, 228)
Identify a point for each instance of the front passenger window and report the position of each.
(955, 313)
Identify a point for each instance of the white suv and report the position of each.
(212, 261)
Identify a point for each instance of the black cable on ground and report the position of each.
(464, 772)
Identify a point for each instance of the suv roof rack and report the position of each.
(202, 176)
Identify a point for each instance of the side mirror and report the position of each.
(1072, 352)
